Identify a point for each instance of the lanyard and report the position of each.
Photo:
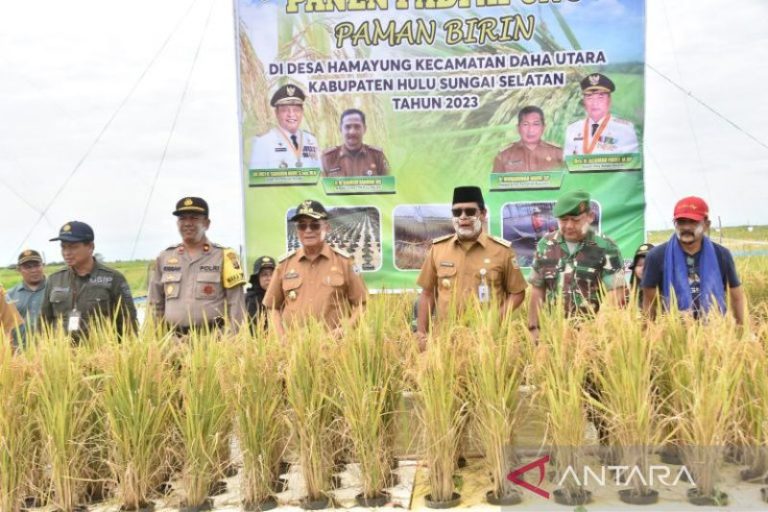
(589, 148)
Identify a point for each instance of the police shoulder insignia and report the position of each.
(286, 256)
(499, 240)
(340, 251)
(376, 148)
(442, 238)
(231, 273)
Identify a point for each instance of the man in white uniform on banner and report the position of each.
(600, 133)
(286, 146)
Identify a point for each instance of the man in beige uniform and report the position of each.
(316, 281)
(530, 153)
(197, 284)
(468, 265)
(354, 158)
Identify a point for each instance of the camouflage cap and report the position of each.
(310, 208)
(575, 202)
(597, 82)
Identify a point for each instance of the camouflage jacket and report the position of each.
(577, 277)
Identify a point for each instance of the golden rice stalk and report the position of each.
(308, 390)
(64, 415)
(256, 397)
(201, 415)
(625, 371)
(706, 377)
(17, 432)
(136, 400)
(365, 372)
(441, 411)
(495, 372)
(560, 369)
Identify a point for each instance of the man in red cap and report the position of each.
(695, 269)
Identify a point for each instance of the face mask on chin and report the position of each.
(468, 233)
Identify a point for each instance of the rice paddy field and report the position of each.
(596, 413)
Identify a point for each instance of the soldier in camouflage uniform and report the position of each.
(579, 266)
(574, 263)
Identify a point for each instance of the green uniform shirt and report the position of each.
(577, 276)
(28, 302)
(102, 292)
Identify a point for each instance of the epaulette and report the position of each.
(331, 150)
(441, 239)
(172, 247)
(286, 256)
(218, 246)
(621, 121)
(499, 240)
(342, 252)
(375, 148)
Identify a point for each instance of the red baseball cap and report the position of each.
(693, 208)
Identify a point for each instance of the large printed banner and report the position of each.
(379, 108)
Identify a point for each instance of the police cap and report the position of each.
(191, 205)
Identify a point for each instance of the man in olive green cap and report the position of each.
(574, 262)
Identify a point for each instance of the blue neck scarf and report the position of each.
(676, 276)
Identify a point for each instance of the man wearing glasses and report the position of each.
(574, 263)
(698, 271)
(601, 132)
(316, 281)
(197, 284)
(468, 266)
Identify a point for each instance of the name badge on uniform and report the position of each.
(483, 293)
(73, 322)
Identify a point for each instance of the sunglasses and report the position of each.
(469, 212)
(312, 226)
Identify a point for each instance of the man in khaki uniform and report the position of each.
(354, 158)
(530, 153)
(197, 284)
(468, 265)
(317, 280)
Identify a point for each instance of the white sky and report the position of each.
(65, 68)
